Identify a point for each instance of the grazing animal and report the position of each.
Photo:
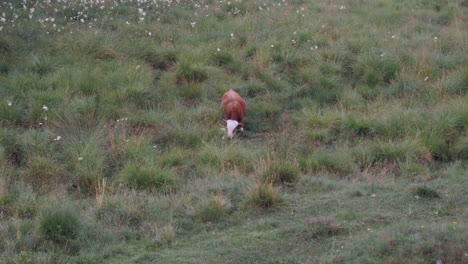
(234, 108)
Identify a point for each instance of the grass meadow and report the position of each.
(355, 146)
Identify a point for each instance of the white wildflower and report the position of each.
(10, 103)
(45, 108)
(193, 24)
(80, 158)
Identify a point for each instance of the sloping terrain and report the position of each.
(354, 151)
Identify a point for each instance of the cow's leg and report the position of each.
(241, 124)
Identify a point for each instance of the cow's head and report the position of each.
(231, 126)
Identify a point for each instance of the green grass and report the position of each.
(354, 149)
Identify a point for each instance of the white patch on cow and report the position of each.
(231, 125)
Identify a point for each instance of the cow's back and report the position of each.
(234, 106)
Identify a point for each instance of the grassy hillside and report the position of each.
(355, 146)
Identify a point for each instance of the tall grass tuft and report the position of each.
(14, 150)
(213, 209)
(141, 177)
(43, 65)
(190, 68)
(60, 224)
(281, 172)
(264, 196)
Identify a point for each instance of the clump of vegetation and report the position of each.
(281, 172)
(264, 196)
(60, 224)
(115, 105)
(166, 235)
(141, 177)
(190, 69)
(213, 209)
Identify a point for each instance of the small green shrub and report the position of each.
(457, 82)
(43, 65)
(60, 224)
(255, 88)
(190, 69)
(437, 144)
(264, 196)
(141, 177)
(167, 235)
(14, 150)
(173, 158)
(359, 126)
(321, 134)
(213, 209)
(281, 172)
(326, 119)
(42, 172)
(160, 59)
(221, 58)
(393, 151)
(266, 110)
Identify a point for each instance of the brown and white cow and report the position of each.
(234, 108)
